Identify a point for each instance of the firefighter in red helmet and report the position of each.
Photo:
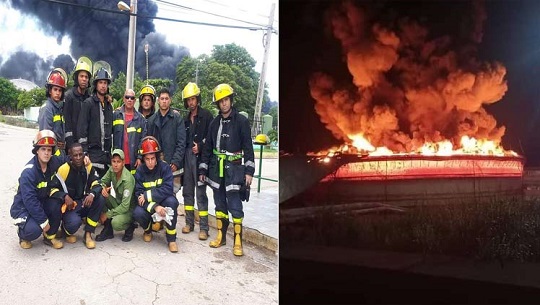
(33, 211)
(154, 193)
(51, 115)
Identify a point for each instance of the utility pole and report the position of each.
(130, 73)
(256, 126)
(197, 73)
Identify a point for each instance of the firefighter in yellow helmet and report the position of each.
(228, 142)
(33, 211)
(147, 101)
(74, 98)
(197, 122)
(154, 193)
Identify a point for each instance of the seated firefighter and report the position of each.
(154, 193)
(78, 188)
(118, 185)
(33, 211)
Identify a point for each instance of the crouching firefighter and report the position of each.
(227, 142)
(33, 211)
(154, 192)
(77, 187)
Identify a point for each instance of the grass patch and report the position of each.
(18, 122)
(504, 230)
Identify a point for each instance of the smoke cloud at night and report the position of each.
(407, 87)
(98, 35)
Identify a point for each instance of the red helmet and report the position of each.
(44, 137)
(56, 79)
(149, 145)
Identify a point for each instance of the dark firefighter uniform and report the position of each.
(51, 117)
(227, 141)
(32, 207)
(157, 187)
(95, 132)
(78, 183)
(72, 109)
(135, 130)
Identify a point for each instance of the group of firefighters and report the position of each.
(122, 168)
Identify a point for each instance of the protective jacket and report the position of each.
(227, 141)
(77, 182)
(136, 130)
(124, 201)
(156, 184)
(51, 117)
(170, 132)
(95, 130)
(196, 131)
(33, 189)
(72, 107)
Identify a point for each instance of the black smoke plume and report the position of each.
(104, 36)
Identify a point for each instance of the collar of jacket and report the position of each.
(58, 105)
(232, 115)
(136, 114)
(76, 91)
(95, 98)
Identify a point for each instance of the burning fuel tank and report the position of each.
(401, 180)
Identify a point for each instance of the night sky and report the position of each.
(510, 35)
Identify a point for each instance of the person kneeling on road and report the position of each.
(118, 185)
(154, 192)
(77, 186)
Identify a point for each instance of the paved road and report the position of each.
(122, 273)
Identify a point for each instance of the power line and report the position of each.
(205, 12)
(156, 17)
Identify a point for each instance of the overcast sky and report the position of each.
(20, 32)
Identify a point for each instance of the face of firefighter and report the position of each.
(225, 105)
(117, 164)
(77, 156)
(147, 102)
(82, 80)
(129, 99)
(192, 103)
(101, 86)
(150, 161)
(44, 154)
(164, 101)
(56, 93)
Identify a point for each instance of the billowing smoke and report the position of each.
(65, 62)
(407, 89)
(26, 65)
(104, 36)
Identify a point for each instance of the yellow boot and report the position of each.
(237, 248)
(88, 241)
(173, 247)
(221, 238)
(25, 244)
(53, 242)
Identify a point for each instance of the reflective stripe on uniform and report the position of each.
(133, 129)
(250, 163)
(220, 214)
(149, 196)
(189, 208)
(153, 183)
(91, 222)
(170, 232)
(150, 206)
(69, 134)
(203, 213)
(237, 220)
(212, 183)
(232, 187)
(203, 165)
(118, 122)
(83, 140)
(58, 117)
(42, 184)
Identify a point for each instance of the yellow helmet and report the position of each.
(83, 64)
(262, 139)
(191, 89)
(148, 89)
(221, 91)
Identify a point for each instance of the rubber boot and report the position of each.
(106, 232)
(221, 238)
(53, 242)
(128, 234)
(25, 244)
(237, 248)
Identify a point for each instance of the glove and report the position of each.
(168, 217)
(244, 192)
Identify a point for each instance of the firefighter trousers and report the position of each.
(228, 202)
(73, 219)
(193, 187)
(144, 218)
(30, 230)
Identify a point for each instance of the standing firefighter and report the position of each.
(227, 141)
(74, 98)
(197, 121)
(95, 123)
(154, 193)
(51, 116)
(147, 101)
(33, 211)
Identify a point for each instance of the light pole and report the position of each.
(130, 72)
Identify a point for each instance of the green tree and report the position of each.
(8, 96)
(274, 113)
(32, 98)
